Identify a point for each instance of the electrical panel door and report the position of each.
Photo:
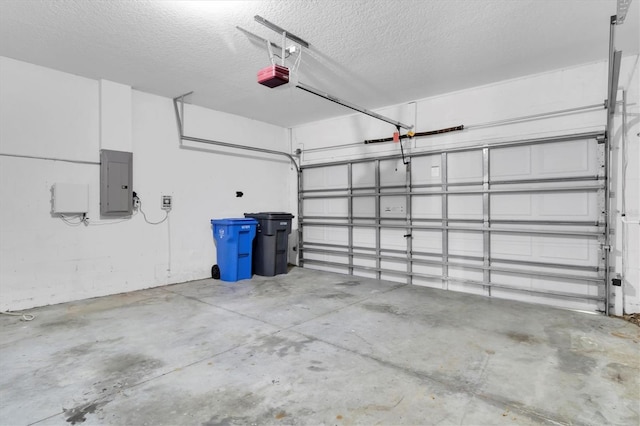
(116, 186)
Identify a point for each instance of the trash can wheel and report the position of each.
(215, 272)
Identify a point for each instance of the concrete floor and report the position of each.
(315, 348)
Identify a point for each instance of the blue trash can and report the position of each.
(234, 247)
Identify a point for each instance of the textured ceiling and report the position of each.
(369, 52)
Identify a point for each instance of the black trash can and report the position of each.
(271, 243)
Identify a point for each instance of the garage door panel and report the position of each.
(531, 285)
(427, 269)
(333, 177)
(565, 158)
(336, 260)
(364, 207)
(364, 273)
(564, 206)
(542, 284)
(393, 206)
(567, 205)
(336, 207)
(367, 262)
(426, 170)
(465, 206)
(399, 265)
(392, 239)
(465, 243)
(363, 174)
(516, 247)
(326, 234)
(427, 241)
(512, 280)
(314, 234)
(511, 162)
(579, 251)
(392, 172)
(561, 159)
(426, 207)
(337, 235)
(550, 300)
(313, 207)
(464, 167)
(364, 237)
(456, 272)
(506, 206)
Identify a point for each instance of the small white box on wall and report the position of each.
(70, 198)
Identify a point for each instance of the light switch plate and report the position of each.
(167, 202)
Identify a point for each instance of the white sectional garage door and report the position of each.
(521, 220)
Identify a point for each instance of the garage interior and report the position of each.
(464, 182)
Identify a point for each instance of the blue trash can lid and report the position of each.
(234, 221)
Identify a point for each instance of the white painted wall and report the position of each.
(115, 116)
(46, 113)
(341, 138)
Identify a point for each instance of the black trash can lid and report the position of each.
(270, 215)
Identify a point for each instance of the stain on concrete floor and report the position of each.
(79, 414)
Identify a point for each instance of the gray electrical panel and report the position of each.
(116, 183)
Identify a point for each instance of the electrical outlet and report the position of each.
(167, 202)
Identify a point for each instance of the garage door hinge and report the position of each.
(606, 247)
(601, 139)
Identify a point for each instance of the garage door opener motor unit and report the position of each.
(273, 76)
(276, 75)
